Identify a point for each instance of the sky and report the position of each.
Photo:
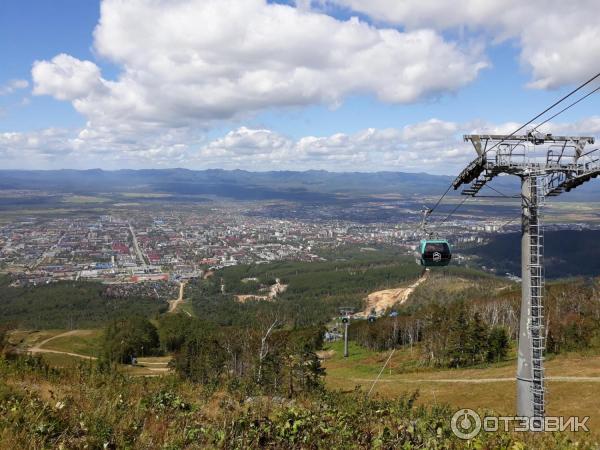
(341, 85)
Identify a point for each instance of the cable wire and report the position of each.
(566, 108)
(519, 129)
(381, 371)
(544, 112)
(454, 210)
(497, 191)
(508, 222)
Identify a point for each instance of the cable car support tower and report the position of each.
(548, 166)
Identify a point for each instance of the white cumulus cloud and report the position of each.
(66, 78)
(406, 149)
(433, 146)
(559, 40)
(195, 61)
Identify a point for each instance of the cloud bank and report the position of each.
(559, 40)
(432, 146)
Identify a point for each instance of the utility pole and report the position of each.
(345, 314)
(345, 320)
(547, 165)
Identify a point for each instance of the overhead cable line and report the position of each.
(497, 191)
(562, 99)
(454, 210)
(465, 200)
(508, 222)
(381, 371)
(556, 103)
(566, 108)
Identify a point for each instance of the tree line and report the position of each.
(268, 358)
(449, 335)
(476, 323)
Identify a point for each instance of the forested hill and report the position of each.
(567, 253)
(314, 292)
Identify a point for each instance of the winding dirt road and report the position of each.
(475, 380)
(37, 348)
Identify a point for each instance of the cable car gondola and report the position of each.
(432, 252)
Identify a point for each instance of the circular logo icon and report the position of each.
(466, 424)
(437, 256)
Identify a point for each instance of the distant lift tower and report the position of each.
(547, 165)
(346, 314)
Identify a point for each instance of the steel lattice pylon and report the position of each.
(530, 371)
(547, 165)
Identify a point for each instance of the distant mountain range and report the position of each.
(311, 185)
(239, 184)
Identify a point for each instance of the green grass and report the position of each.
(28, 338)
(76, 408)
(85, 342)
(187, 307)
(65, 361)
(404, 375)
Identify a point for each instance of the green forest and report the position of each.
(68, 305)
(315, 290)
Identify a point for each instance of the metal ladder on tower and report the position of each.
(536, 267)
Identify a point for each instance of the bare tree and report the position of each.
(264, 348)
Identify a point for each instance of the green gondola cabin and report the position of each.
(434, 252)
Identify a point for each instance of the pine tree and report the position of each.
(477, 340)
(457, 347)
(498, 344)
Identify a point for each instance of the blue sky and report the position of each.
(293, 129)
(37, 30)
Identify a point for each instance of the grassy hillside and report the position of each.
(81, 342)
(246, 375)
(83, 408)
(485, 387)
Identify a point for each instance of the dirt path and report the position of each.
(152, 364)
(381, 300)
(47, 350)
(274, 291)
(37, 348)
(174, 304)
(155, 364)
(475, 380)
